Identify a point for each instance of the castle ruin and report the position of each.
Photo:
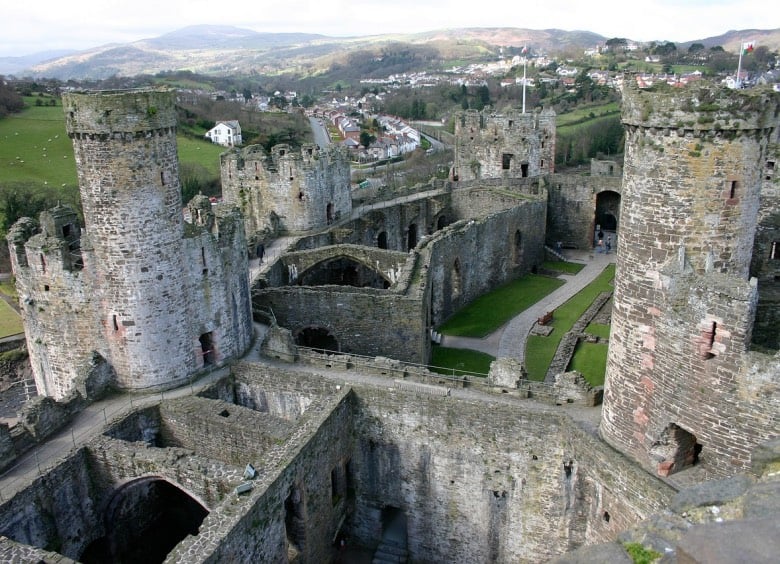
(396, 460)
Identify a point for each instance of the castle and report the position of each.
(392, 462)
(139, 298)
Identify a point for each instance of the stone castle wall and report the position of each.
(683, 305)
(137, 286)
(571, 207)
(508, 145)
(449, 269)
(288, 190)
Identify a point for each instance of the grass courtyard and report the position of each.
(488, 313)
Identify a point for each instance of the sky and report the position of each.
(45, 25)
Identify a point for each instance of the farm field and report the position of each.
(34, 147)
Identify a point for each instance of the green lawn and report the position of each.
(539, 351)
(590, 359)
(563, 266)
(456, 362)
(10, 321)
(489, 312)
(584, 112)
(598, 329)
(34, 147)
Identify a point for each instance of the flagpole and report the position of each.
(525, 60)
(739, 64)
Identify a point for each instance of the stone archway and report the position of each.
(144, 519)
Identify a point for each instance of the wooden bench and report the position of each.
(545, 319)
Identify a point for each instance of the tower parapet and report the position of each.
(508, 145)
(287, 190)
(677, 372)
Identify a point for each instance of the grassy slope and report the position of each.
(35, 148)
(10, 321)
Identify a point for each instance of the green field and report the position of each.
(34, 147)
(583, 113)
(490, 311)
(457, 362)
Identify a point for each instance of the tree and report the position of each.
(617, 44)
(10, 100)
(696, 48)
(366, 139)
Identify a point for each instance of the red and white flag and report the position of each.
(524, 50)
(748, 46)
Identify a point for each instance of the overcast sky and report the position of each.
(43, 25)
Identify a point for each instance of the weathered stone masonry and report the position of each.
(155, 297)
(680, 377)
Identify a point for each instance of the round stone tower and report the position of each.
(125, 149)
(678, 388)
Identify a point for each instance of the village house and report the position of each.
(226, 133)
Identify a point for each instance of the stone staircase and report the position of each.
(390, 550)
(393, 548)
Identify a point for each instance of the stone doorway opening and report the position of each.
(295, 524)
(675, 450)
(144, 520)
(207, 348)
(394, 546)
(607, 210)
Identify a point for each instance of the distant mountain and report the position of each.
(12, 65)
(222, 50)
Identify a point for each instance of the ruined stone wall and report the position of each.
(289, 190)
(683, 305)
(55, 301)
(125, 150)
(470, 258)
(766, 252)
(220, 304)
(364, 321)
(572, 207)
(508, 145)
(293, 502)
(59, 512)
(472, 494)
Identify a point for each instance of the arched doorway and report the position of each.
(411, 237)
(608, 210)
(381, 240)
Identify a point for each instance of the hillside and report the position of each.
(226, 50)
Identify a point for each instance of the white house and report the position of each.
(227, 133)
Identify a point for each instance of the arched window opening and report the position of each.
(411, 237)
(381, 240)
(455, 280)
(518, 248)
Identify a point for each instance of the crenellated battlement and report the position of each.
(119, 112)
(507, 145)
(701, 108)
(288, 189)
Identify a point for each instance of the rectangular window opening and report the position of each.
(733, 189)
(506, 161)
(114, 321)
